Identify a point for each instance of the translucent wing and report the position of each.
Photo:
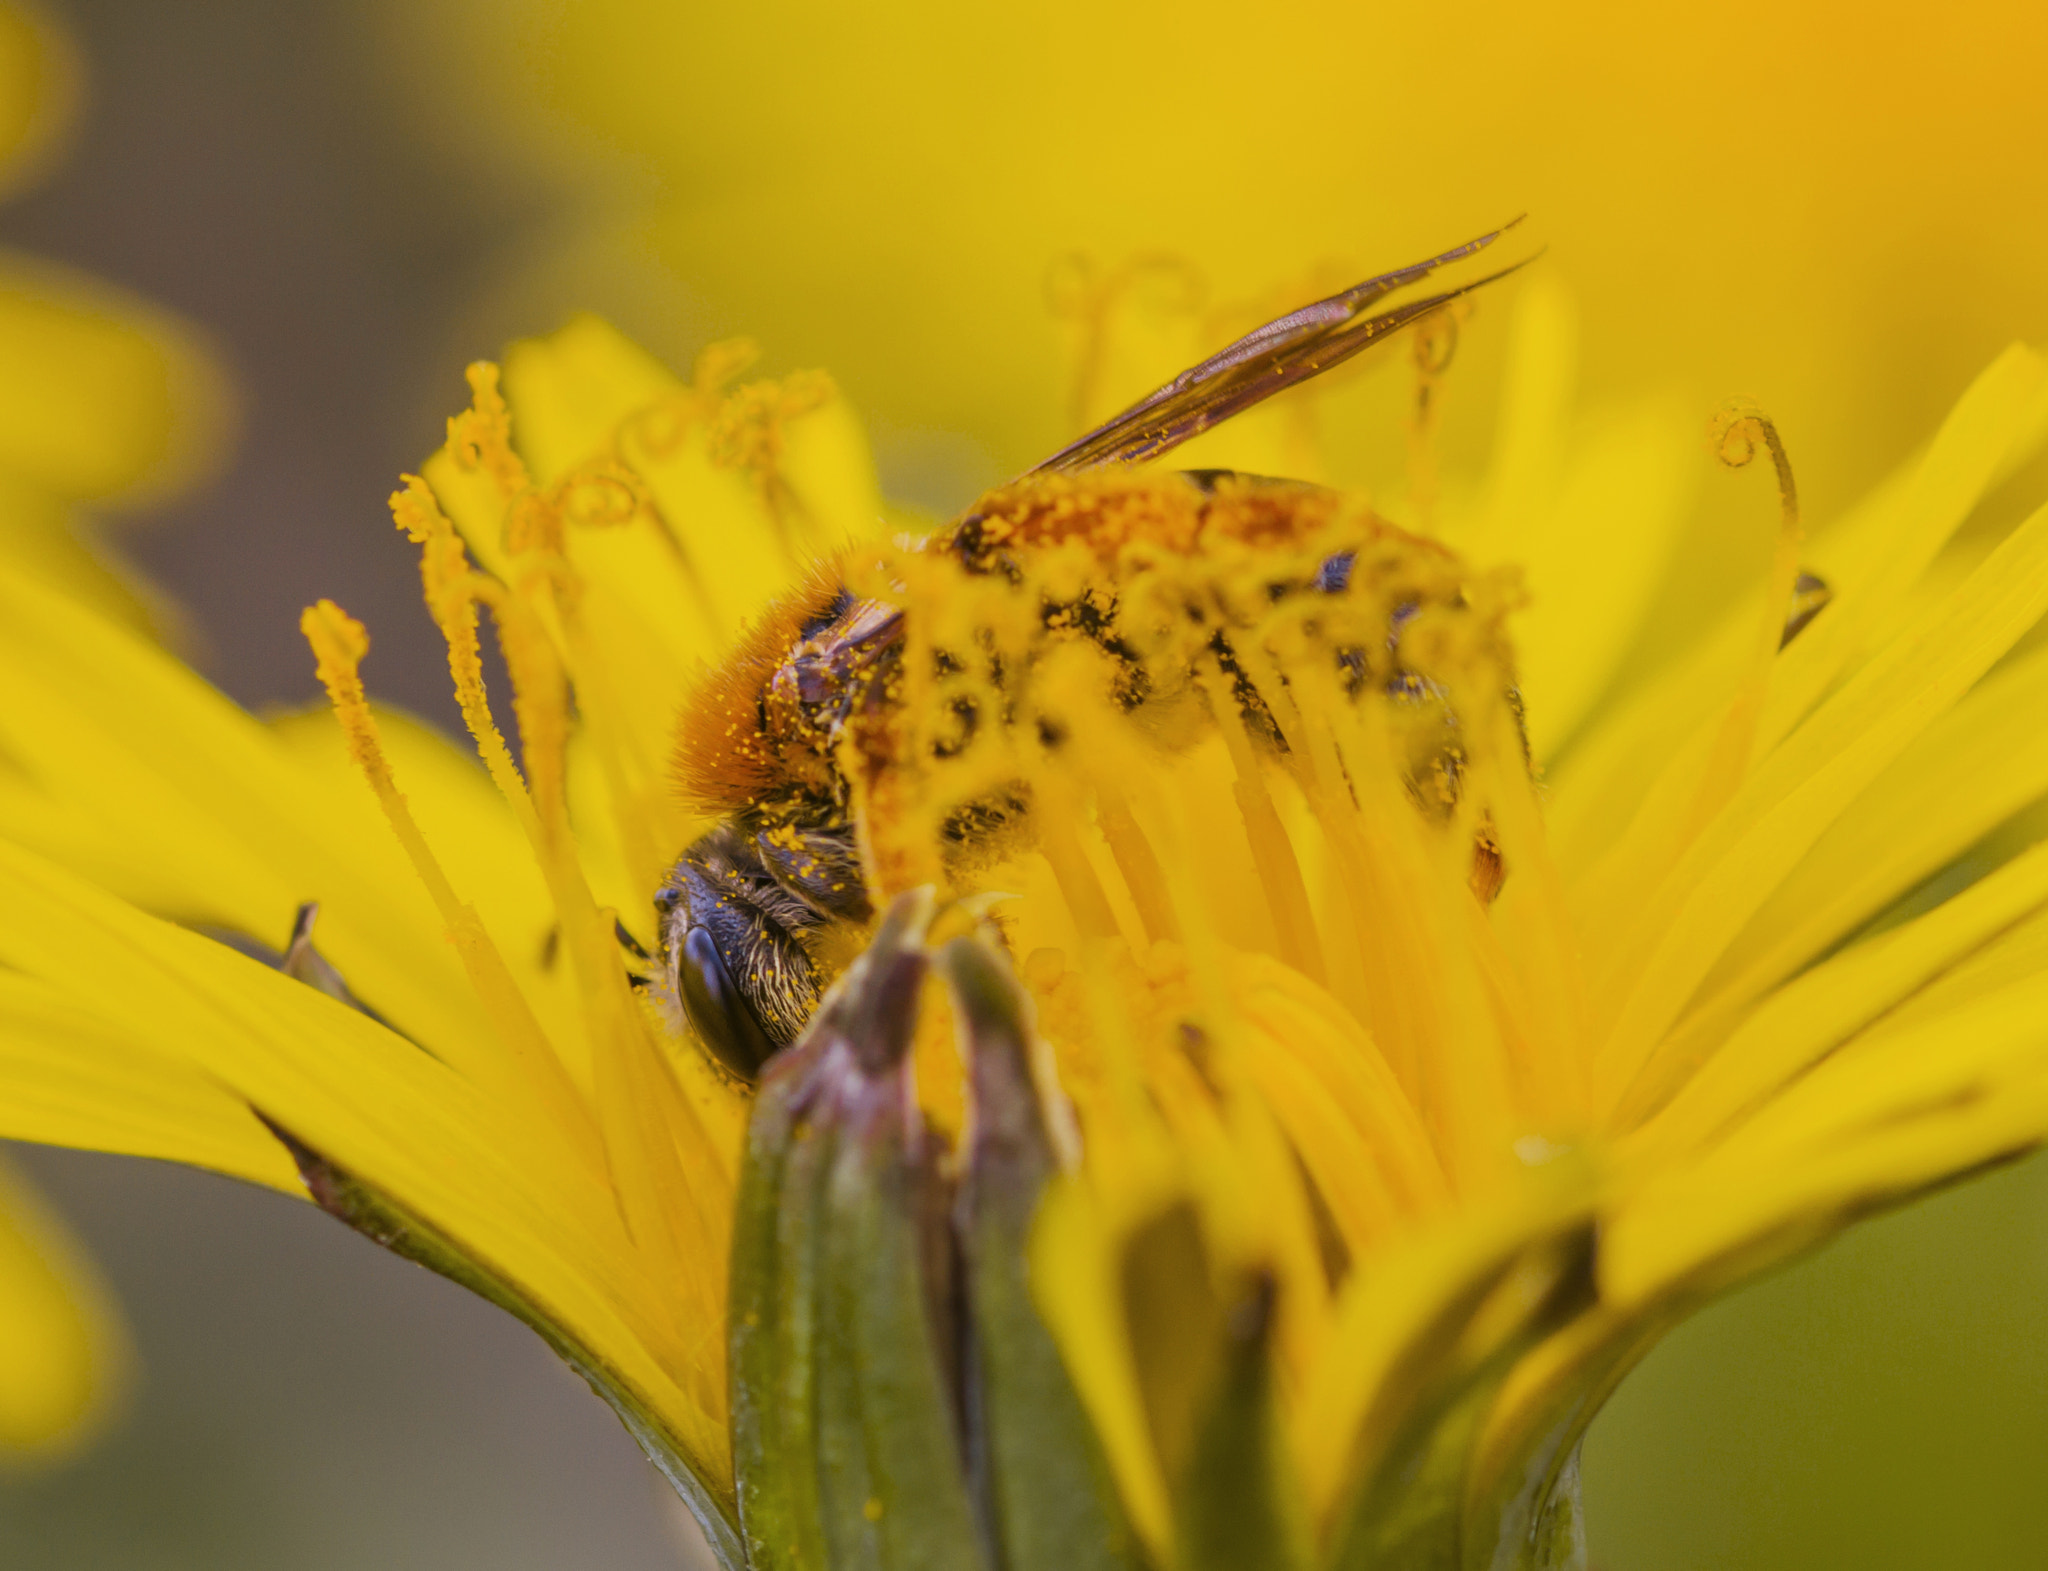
(1292, 349)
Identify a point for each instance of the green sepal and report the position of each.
(1237, 1505)
(1409, 1521)
(1408, 1513)
(1557, 1538)
(381, 1219)
(895, 1406)
(772, 1341)
(1044, 1480)
(847, 1434)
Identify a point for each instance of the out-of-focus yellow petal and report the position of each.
(572, 389)
(106, 396)
(1414, 1297)
(43, 537)
(63, 1359)
(1074, 1258)
(1591, 516)
(38, 93)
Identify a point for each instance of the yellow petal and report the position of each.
(1972, 769)
(666, 582)
(1874, 565)
(72, 1079)
(1737, 1216)
(1956, 1078)
(1592, 568)
(1074, 1281)
(513, 1195)
(1798, 791)
(1592, 522)
(38, 93)
(109, 396)
(571, 390)
(1398, 1319)
(1729, 1074)
(139, 774)
(1874, 554)
(63, 1359)
(47, 539)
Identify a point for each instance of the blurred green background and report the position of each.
(321, 189)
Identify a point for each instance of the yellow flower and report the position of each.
(105, 400)
(1345, 1095)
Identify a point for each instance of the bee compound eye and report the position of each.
(718, 1012)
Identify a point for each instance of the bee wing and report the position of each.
(1292, 349)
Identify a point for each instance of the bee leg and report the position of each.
(820, 867)
(303, 963)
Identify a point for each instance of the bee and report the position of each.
(754, 912)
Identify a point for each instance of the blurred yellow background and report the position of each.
(1840, 211)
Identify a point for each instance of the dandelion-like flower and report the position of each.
(1088, 1037)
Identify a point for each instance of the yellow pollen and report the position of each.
(452, 591)
(481, 436)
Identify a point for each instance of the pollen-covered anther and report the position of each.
(480, 438)
(339, 643)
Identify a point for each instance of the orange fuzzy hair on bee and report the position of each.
(722, 760)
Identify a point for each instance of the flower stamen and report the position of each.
(642, 1114)
(1433, 343)
(1738, 431)
(339, 643)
